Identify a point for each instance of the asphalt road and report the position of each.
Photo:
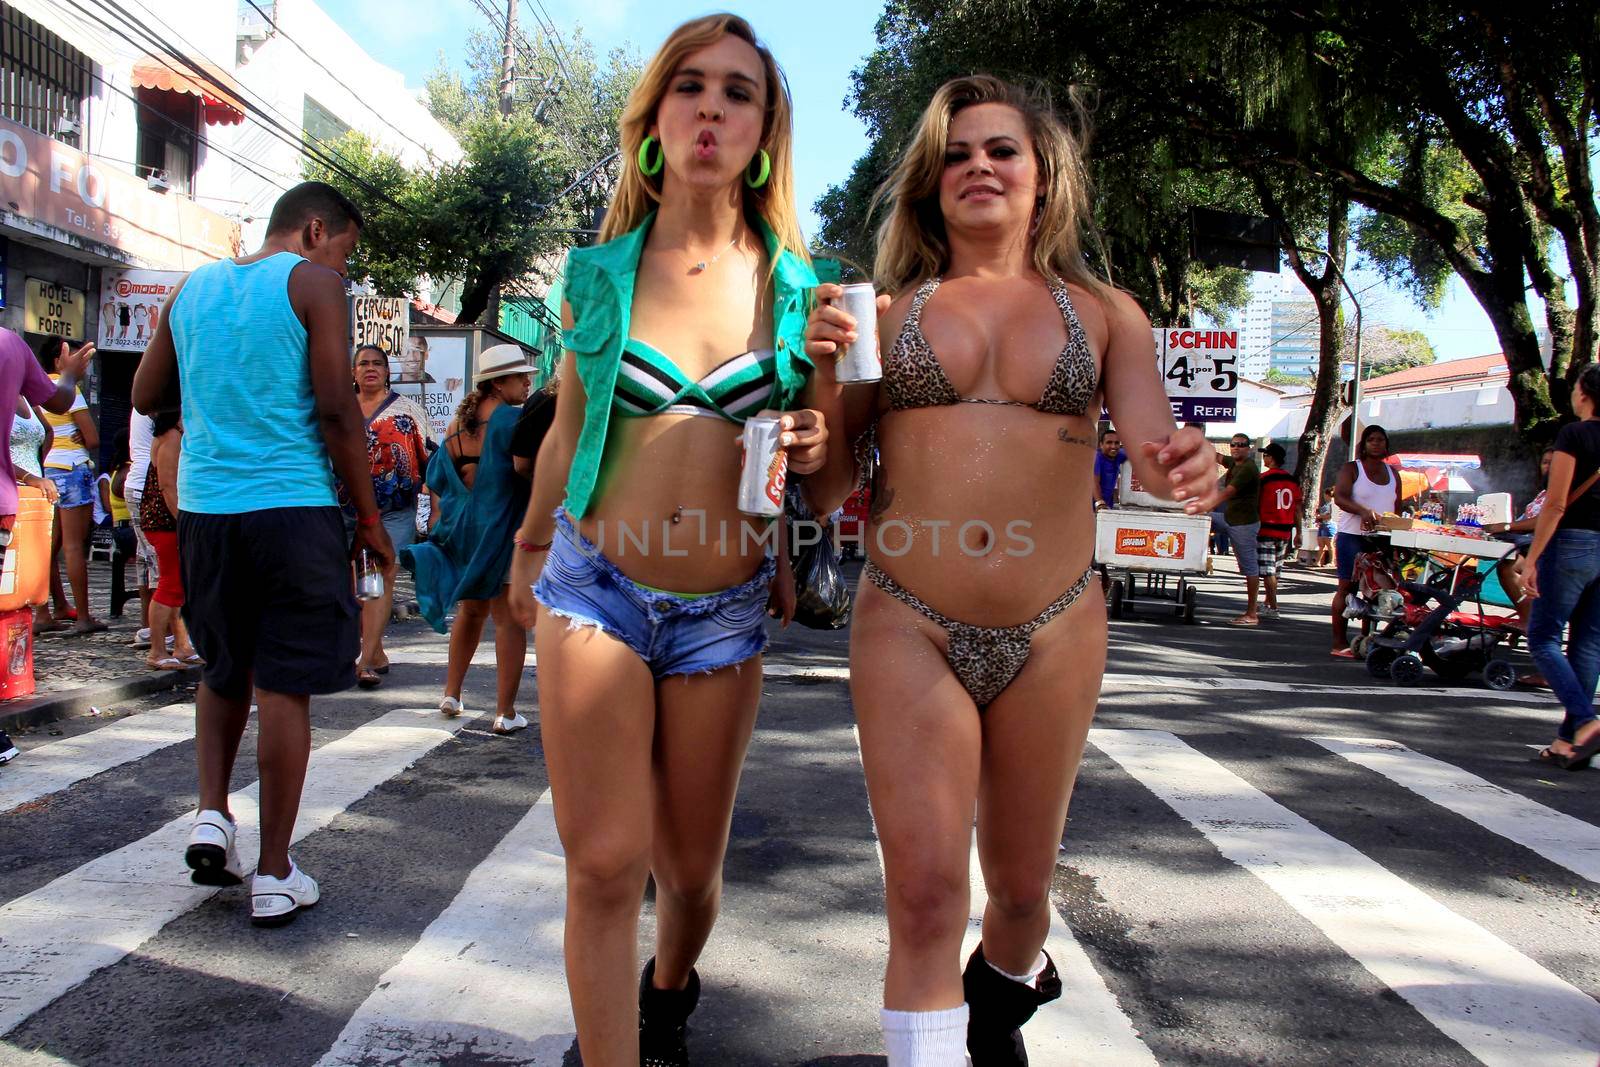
(1271, 859)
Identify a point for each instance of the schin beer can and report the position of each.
(860, 361)
(766, 467)
(369, 578)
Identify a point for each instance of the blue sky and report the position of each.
(818, 45)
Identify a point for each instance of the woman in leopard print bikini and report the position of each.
(975, 658)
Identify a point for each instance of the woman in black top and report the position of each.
(1563, 573)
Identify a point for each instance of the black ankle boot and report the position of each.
(997, 1007)
(664, 1019)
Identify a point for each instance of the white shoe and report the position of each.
(503, 725)
(1268, 613)
(211, 855)
(141, 639)
(275, 900)
(450, 707)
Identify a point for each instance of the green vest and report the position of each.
(599, 290)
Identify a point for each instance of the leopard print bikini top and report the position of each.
(913, 377)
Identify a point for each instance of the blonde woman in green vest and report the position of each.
(686, 320)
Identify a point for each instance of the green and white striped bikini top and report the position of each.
(648, 383)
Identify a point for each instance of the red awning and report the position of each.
(217, 89)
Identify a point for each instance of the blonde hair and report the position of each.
(637, 195)
(912, 242)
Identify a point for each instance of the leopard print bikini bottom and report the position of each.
(985, 659)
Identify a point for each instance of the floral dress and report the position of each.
(397, 455)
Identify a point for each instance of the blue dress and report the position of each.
(468, 555)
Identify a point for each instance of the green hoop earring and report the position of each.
(766, 170)
(646, 167)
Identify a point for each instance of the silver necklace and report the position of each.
(701, 265)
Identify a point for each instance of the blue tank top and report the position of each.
(251, 439)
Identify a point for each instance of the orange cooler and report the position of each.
(25, 579)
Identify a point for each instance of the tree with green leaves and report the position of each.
(1385, 350)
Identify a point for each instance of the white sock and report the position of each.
(926, 1038)
(1026, 979)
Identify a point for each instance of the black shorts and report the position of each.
(270, 600)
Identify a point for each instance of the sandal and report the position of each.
(367, 678)
(93, 626)
(169, 663)
(1342, 653)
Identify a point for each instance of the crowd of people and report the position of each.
(974, 673)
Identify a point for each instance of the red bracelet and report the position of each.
(528, 546)
(368, 521)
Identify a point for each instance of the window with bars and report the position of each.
(42, 77)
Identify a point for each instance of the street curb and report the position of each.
(70, 703)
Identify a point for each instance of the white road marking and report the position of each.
(440, 657)
(1499, 1005)
(1231, 683)
(1214, 684)
(1085, 1027)
(61, 764)
(1561, 839)
(485, 980)
(54, 938)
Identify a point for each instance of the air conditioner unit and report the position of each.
(157, 182)
(68, 125)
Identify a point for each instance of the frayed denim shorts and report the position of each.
(672, 634)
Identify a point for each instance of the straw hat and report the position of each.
(500, 361)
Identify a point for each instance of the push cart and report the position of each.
(1148, 556)
(1442, 637)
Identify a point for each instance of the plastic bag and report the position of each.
(822, 596)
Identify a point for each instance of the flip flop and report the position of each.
(170, 663)
(367, 678)
(1582, 755)
(1342, 653)
(193, 659)
(94, 627)
(1242, 621)
(381, 670)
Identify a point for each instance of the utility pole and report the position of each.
(508, 60)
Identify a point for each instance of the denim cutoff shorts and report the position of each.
(672, 634)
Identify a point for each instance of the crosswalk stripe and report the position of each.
(1498, 1004)
(1559, 838)
(485, 980)
(61, 764)
(55, 937)
(439, 657)
(1236, 684)
(1085, 1027)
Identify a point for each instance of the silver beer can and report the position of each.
(860, 360)
(766, 466)
(369, 578)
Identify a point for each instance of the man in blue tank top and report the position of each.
(254, 353)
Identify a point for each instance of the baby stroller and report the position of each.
(1378, 600)
(1437, 634)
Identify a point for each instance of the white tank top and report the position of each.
(1379, 496)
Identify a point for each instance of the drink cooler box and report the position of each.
(1160, 545)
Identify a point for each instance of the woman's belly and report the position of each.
(666, 506)
(984, 512)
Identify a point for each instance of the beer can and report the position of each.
(860, 360)
(369, 579)
(766, 466)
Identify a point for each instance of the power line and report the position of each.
(548, 25)
(89, 69)
(269, 123)
(428, 152)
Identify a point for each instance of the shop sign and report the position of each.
(52, 308)
(1200, 369)
(57, 186)
(131, 302)
(384, 321)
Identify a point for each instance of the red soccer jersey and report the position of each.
(1280, 502)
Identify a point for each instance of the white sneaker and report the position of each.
(1268, 613)
(450, 707)
(8, 751)
(275, 900)
(503, 725)
(141, 639)
(211, 855)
